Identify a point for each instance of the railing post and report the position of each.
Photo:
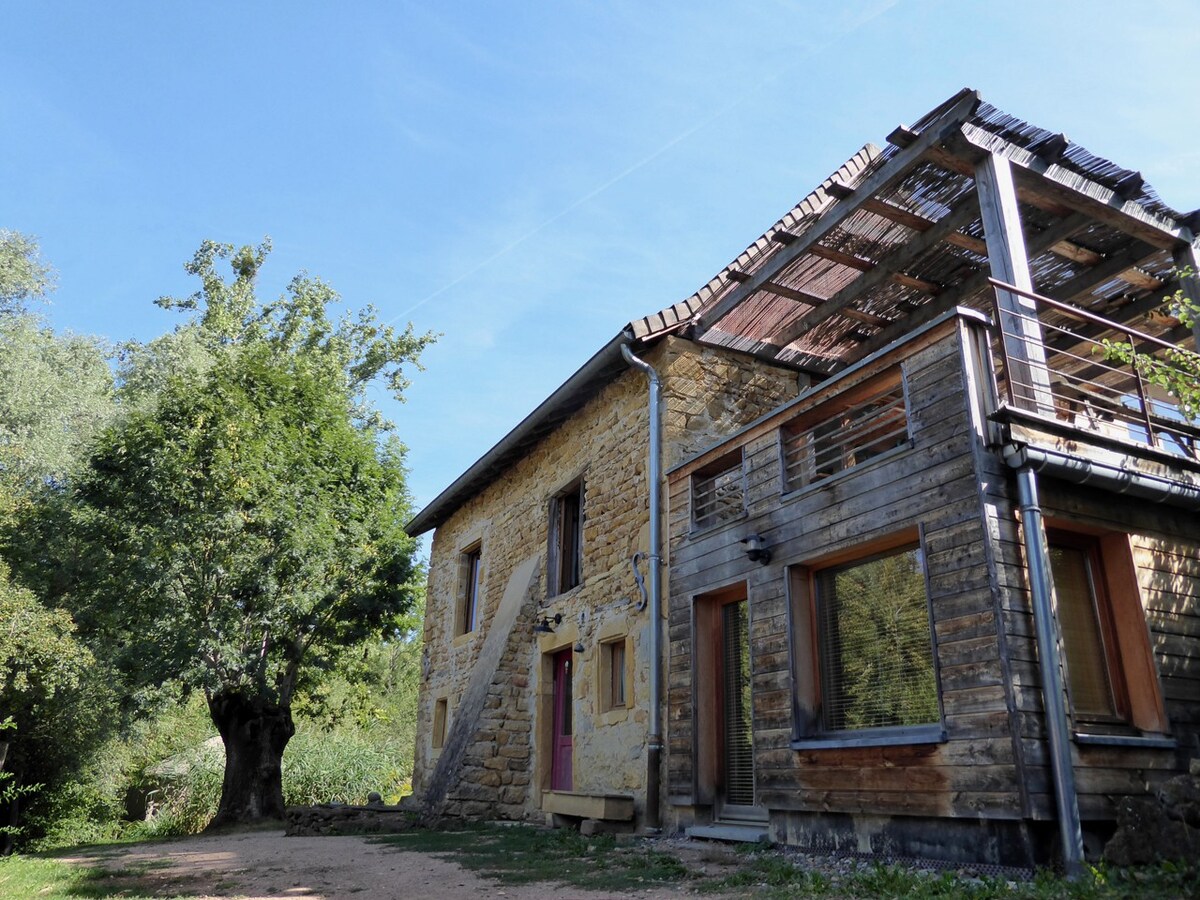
(1008, 380)
(1025, 361)
(1143, 399)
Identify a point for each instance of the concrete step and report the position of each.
(745, 834)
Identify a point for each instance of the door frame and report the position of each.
(562, 666)
(708, 704)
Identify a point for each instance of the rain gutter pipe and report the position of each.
(654, 741)
(1057, 730)
(1079, 470)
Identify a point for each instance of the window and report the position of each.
(818, 448)
(614, 675)
(439, 723)
(1111, 677)
(718, 491)
(468, 594)
(565, 557)
(863, 650)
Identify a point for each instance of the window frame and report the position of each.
(440, 725)
(805, 644)
(726, 463)
(1124, 636)
(563, 547)
(466, 608)
(608, 671)
(825, 413)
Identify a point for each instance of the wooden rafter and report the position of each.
(896, 261)
(894, 213)
(880, 180)
(1081, 285)
(1056, 184)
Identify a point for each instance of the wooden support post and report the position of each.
(1188, 259)
(1022, 333)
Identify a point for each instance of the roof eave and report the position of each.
(603, 366)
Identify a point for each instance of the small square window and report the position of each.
(718, 491)
(565, 556)
(614, 675)
(836, 438)
(467, 612)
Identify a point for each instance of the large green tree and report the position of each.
(55, 395)
(245, 527)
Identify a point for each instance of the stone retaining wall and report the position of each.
(336, 818)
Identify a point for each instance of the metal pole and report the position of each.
(1057, 730)
(654, 470)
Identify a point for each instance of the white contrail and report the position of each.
(872, 11)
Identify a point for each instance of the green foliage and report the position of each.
(1176, 371)
(51, 690)
(10, 790)
(39, 655)
(251, 529)
(357, 349)
(55, 395)
(23, 276)
(235, 526)
(880, 659)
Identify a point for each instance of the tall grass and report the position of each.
(354, 736)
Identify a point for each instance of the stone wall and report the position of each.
(338, 818)
(504, 764)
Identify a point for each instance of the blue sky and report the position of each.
(523, 178)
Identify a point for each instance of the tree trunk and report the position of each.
(255, 732)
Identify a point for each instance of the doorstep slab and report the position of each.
(611, 807)
(746, 834)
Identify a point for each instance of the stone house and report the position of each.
(930, 573)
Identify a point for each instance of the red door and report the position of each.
(560, 761)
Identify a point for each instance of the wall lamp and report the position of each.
(756, 549)
(544, 626)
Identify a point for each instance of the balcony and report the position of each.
(1055, 375)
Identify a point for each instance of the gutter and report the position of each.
(1079, 470)
(654, 471)
(1058, 729)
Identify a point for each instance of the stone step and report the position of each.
(745, 834)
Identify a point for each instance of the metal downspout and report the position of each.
(654, 737)
(1057, 730)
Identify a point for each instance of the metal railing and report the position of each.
(844, 438)
(719, 496)
(1056, 356)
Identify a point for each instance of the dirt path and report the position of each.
(264, 865)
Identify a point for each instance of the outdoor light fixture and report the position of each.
(756, 549)
(544, 626)
(579, 648)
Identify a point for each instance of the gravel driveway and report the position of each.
(265, 864)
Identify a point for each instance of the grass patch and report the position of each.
(525, 854)
(30, 877)
(769, 874)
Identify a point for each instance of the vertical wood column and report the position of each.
(1189, 258)
(1009, 263)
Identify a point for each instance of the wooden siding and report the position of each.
(932, 484)
(958, 490)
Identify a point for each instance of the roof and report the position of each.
(889, 241)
